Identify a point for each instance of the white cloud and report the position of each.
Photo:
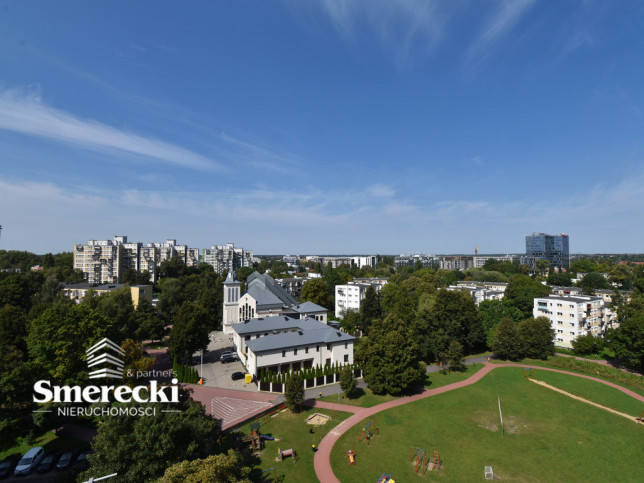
(504, 20)
(25, 112)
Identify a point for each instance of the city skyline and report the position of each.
(323, 127)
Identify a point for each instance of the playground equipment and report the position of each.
(419, 458)
(266, 436)
(287, 452)
(640, 419)
(266, 418)
(529, 373)
(368, 432)
(385, 478)
(351, 457)
(436, 456)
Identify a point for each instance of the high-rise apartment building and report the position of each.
(554, 248)
(227, 257)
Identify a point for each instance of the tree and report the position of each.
(348, 382)
(315, 291)
(58, 340)
(369, 308)
(220, 467)
(627, 341)
(150, 323)
(136, 364)
(351, 321)
(587, 344)
(189, 332)
(15, 385)
(506, 343)
(537, 338)
(117, 306)
(454, 356)
(386, 367)
(521, 292)
(140, 448)
(294, 392)
(562, 279)
(593, 281)
(492, 311)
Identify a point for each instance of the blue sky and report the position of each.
(366, 126)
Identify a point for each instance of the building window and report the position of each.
(328, 347)
(294, 352)
(283, 353)
(346, 358)
(317, 348)
(306, 350)
(346, 345)
(247, 337)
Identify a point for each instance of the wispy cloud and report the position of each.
(499, 25)
(405, 27)
(25, 112)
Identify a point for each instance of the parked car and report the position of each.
(48, 462)
(67, 459)
(228, 356)
(237, 375)
(8, 464)
(81, 463)
(29, 461)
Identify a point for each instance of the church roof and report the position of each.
(232, 277)
(261, 286)
(308, 308)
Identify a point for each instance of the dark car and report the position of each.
(47, 463)
(237, 375)
(67, 459)
(8, 464)
(227, 358)
(81, 463)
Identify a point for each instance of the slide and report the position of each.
(265, 436)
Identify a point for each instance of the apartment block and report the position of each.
(571, 317)
(350, 296)
(227, 257)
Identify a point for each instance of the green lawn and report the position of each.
(593, 391)
(291, 431)
(547, 436)
(367, 398)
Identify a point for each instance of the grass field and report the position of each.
(49, 441)
(291, 431)
(547, 436)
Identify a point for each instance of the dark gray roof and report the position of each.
(232, 277)
(259, 283)
(308, 307)
(310, 332)
(278, 322)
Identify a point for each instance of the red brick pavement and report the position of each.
(322, 459)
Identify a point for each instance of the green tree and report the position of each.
(369, 308)
(348, 382)
(351, 321)
(294, 392)
(220, 467)
(315, 291)
(454, 356)
(521, 292)
(587, 344)
(189, 332)
(592, 281)
(15, 385)
(150, 323)
(506, 343)
(492, 311)
(386, 368)
(141, 448)
(561, 279)
(627, 342)
(58, 339)
(117, 306)
(537, 337)
(135, 363)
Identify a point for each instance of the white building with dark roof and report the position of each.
(282, 343)
(264, 297)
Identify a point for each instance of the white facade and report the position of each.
(227, 257)
(232, 287)
(571, 317)
(478, 293)
(350, 296)
(282, 344)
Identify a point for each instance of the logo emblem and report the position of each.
(95, 357)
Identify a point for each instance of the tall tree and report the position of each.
(506, 343)
(492, 311)
(316, 291)
(369, 309)
(521, 292)
(386, 367)
(219, 467)
(537, 337)
(593, 281)
(627, 341)
(189, 332)
(348, 382)
(294, 392)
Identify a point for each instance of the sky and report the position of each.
(322, 126)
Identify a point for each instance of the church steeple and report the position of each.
(232, 288)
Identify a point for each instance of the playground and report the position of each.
(545, 435)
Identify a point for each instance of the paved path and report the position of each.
(322, 459)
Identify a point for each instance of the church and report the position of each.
(263, 297)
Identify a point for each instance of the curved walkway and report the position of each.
(322, 459)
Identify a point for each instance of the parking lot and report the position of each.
(217, 374)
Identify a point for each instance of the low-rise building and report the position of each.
(410, 261)
(282, 344)
(479, 292)
(78, 291)
(571, 317)
(350, 296)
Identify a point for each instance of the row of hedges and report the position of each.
(607, 372)
(311, 373)
(185, 373)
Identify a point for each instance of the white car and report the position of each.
(29, 461)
